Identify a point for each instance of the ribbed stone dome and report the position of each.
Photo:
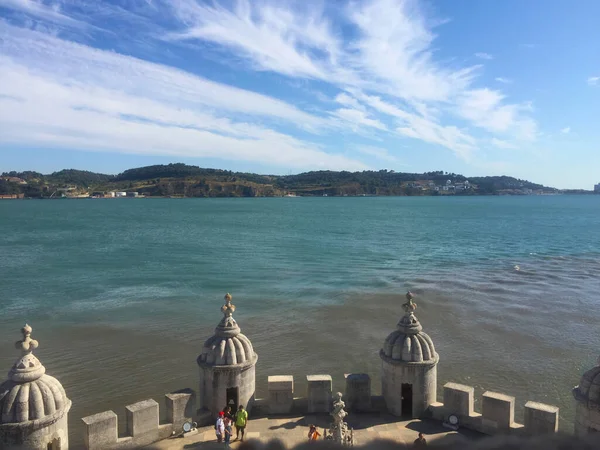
(228, 346)
(588, 391)
(30, 394)
(408, 343)
(21, 402)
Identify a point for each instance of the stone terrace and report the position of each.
(294, 430)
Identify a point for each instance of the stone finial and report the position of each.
(228, 308)
(409, 306)
(28, 367)
(27, 345)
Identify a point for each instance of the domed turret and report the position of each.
(587, 395)
(408, 342)
(33, 405)
(409, 366)
(228, 346)
(227, 366)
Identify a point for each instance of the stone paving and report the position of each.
(294, 430)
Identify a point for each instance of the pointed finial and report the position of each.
(409, 306)
(27, 345)
(228, 308)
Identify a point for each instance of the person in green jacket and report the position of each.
(241, 419)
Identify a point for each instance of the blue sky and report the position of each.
(473, 87)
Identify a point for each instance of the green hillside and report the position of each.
(181, 180)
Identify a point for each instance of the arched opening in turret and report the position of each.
(232, 398)
(407, 399)
(54, 445)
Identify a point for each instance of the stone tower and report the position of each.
(587, 396)
(227, 366)
(34, 406)
(408, 366)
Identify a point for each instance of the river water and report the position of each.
(121, 293)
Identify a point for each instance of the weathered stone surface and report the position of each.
(408, 358)
(498, 411)
(142, 421)
(459, 399)
(422, 378)
(100, 430)
(227, 362)
(33, 406)
(181, 407)
(358, 392)
(281, 394)
(587, 396)
(318, 393)
(540, 418)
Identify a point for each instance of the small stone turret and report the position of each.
(409, 366)
(34, 406)
(587, 396)
(227, 366)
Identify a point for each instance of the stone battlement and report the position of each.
(143, 423)
(497, 412)
(143, 428)
(497, 416)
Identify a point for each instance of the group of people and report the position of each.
(223, 427)
(314, 435)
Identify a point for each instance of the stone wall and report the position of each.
(497, 412)
(143, 427)
(422, 377)
(214, 382)
(37, 434)
(282, 397)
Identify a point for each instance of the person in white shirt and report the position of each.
(220, 427)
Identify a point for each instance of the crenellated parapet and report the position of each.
(497, 413)
(142, 423)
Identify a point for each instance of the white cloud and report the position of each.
(41, 11)
(484, 108)
(357, 118)
(389, 76)
(347, 100)
(593, 81)
(416, 126)
(503, 80)
(73, 96)
(391, 55)
(566, 130)
(377, 152)
(482, 55)
(268, 35)
(499, 143)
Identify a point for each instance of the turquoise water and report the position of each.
(121, 293)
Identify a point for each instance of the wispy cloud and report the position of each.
(566, 130)
(76, 96)
(499, 143)
(593, 81)
(43, 11)
(377, 152)
(503, 80)
(482, 55)
(528, 46)
(389, 60)
(386, 80)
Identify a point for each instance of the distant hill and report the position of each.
(183, 180)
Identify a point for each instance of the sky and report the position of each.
(476, 87)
